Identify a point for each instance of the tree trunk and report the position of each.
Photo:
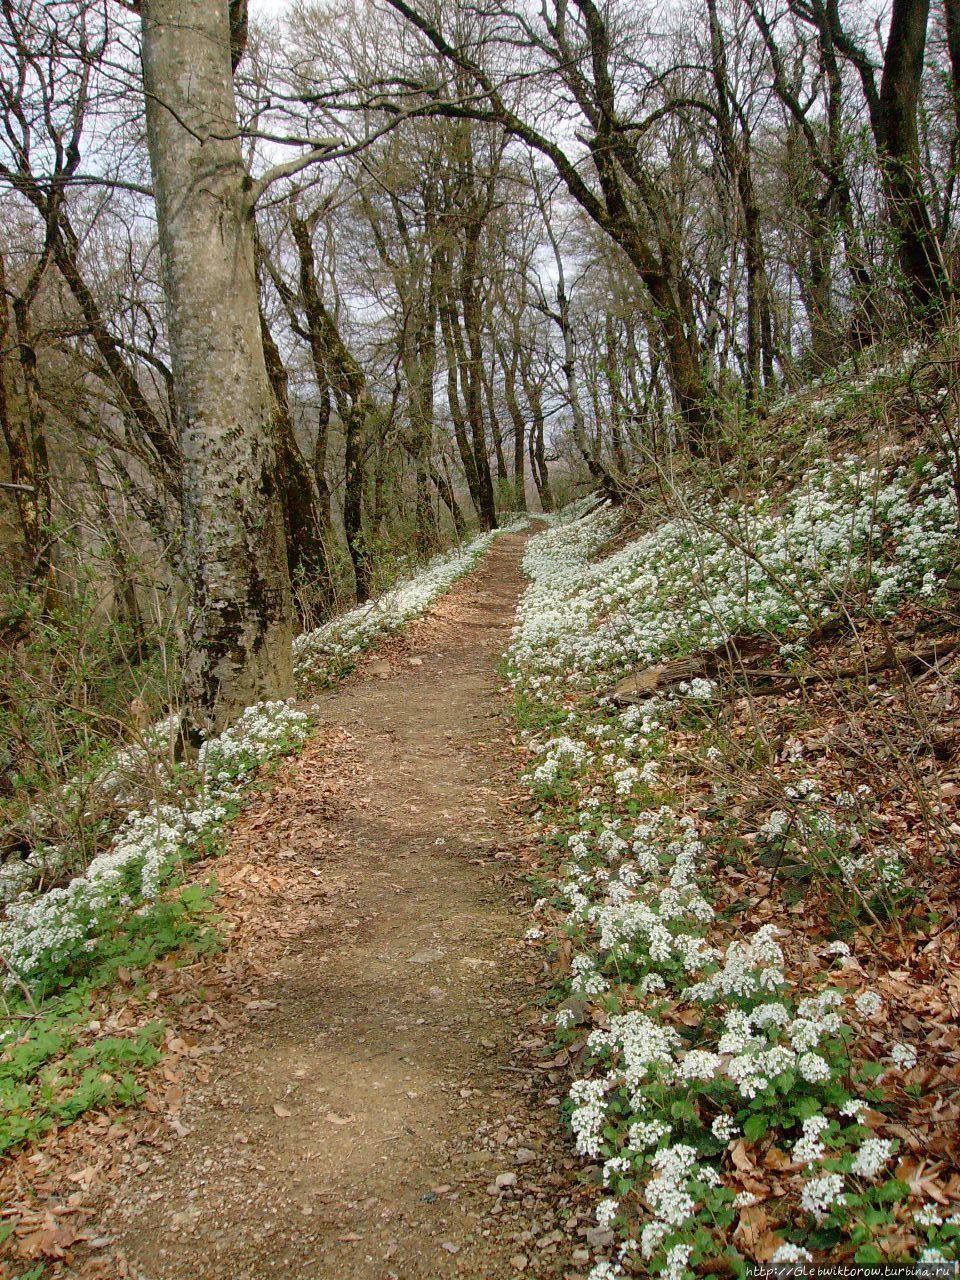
(495, 432)
(816, 290)
(536, 446)
(616, 393)
(510, 364)
(306, 554)
(951, 17)
(490, 390)
(899, 147)
(448, 319)
(735, 149)
(472, 365)
(24, 434)
(336, 368)
(312, 307)
(353, 497)
(239, 625)
(418, 361)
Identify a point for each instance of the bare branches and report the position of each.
(322, 150)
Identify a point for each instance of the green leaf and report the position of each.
(874, 1217)
(892, 1191)
(868, 1255)
(806, 1107)
(684, 1110)
(755, 1127)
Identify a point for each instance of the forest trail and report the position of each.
(366, 1094)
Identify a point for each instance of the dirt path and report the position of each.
(381, 1080)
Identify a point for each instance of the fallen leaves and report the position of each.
(332, 1117)
(282, 881)
(202, 1004)
(754, 1234)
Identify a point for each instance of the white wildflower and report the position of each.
(872, 1156)
(788, 1253)
(607, 1212)
(819, 1195)
(724, 1128)
(868, 1003)
(809, 1148)
(904, 1056)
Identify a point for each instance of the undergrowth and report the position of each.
(69, 941)
(736, 904)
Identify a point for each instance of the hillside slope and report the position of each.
(743, 717)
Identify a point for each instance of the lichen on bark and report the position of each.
(239, 628)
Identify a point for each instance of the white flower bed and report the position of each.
(320, 653)
(684, 586)
(118, 781)
(43, 933)
(659, 1105)
(837, 386)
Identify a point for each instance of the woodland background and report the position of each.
(491, 258)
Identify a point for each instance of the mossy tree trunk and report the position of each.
(239, 626)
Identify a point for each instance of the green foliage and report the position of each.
(68, 675)
(49, 1077)
(51, 1070)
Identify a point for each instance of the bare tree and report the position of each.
(892, 111)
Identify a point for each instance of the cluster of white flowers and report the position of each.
(122, 774)
(586, 978)
(126, 778)
(868, 1003)
(903, 1056)
(829, 841)
(838, 385)
(43, 932)
(605, 1271)
(790, 1253)
(698, 579)
(321, 654)
(929, 1216)
(589, 1098)
(633, 893)
(607, 1212)
(872, 1156)
(615, 1165)
(556, 754)
(635, 888)
(810, 1148)
(698, 689)
(724, 1128)
(668, 1191)
(822, 1193)
(883, 866)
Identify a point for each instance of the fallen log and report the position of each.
(737, 669)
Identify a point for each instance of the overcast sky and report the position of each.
(267, 8)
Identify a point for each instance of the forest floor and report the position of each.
(355, 1087)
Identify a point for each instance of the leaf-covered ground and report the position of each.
(357, 1084)
(728, 1035)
